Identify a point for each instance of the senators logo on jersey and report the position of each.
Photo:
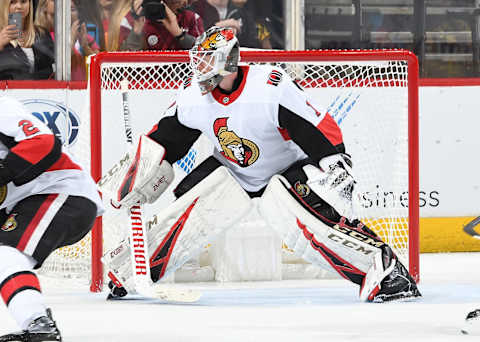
(10, 224)
(238, 150)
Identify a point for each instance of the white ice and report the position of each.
(314, 310)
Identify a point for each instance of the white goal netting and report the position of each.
(369, 94)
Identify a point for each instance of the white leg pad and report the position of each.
(309, 237)
(181, 231)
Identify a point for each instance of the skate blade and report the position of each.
(400, 297)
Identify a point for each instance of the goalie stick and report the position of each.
(138, 236)
(470, 228)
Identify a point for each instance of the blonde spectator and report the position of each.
(82, 43)
(45, 15)
(123, 24)
(125, 30)
(24, 54)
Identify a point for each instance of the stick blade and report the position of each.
(178, 295)
(170, 293)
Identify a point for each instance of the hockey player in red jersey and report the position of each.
(46, 201)
(277, 144)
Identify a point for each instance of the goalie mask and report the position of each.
(215, 54)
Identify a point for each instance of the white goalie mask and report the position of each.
(215, 54)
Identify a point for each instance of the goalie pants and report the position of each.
(39, 224)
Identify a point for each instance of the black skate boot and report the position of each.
(40, 330)
(115, 292)
(399, 284)
(472, 323)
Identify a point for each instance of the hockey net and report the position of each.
(373, 96)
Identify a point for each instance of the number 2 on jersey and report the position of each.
(28, 127)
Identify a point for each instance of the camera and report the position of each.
(153, 9)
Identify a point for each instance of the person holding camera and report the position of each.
(26, 51)
(169, 25)
(124, 26)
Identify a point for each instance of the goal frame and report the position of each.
(261, 56)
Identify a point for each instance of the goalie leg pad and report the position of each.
(180, 231)
(342, 246)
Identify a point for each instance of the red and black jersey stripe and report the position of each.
(174, 137)
(317, 142)
(17, 283)
(29, 158)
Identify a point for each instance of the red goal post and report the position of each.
(353, 84)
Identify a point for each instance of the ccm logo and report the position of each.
(359, 236)
(349, 244)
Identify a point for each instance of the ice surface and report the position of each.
(316, 310)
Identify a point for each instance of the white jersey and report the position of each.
(244, 125)
(25, 140)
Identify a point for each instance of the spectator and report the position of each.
(125, 26)
(240, 14)
(269, 19)
(106, 9)
(177, 31)
(90, 13)
(82, 43)
(207, 12)
(236, 14)
(27, 54)
(45, 15)
(263, 33)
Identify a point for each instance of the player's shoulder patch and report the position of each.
(275, 77)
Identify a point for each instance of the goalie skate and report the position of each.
(156, 291)
(397, 285)
(472, 323)
(40, 330)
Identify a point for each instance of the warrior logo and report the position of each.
(241, 151)
(10, 224)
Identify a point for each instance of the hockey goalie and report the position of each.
(272, 142)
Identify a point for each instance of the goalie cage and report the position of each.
(372, 94)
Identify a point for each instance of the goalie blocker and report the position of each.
(315, 231)
(141, 176)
